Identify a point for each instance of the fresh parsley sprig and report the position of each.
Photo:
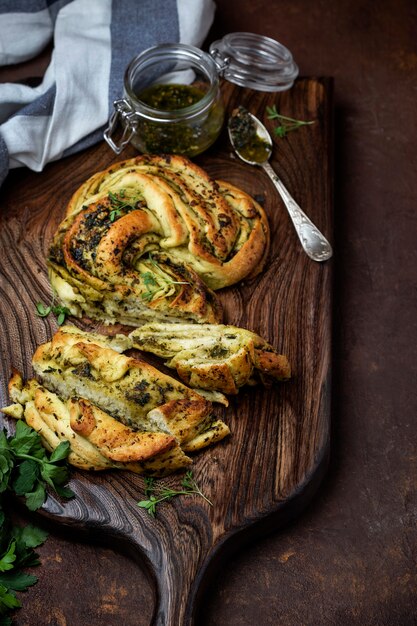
(61, 312)
(287, 123)
(156, 496)
(149, 485)
(16, 553)
(149, 282)
(27, 470)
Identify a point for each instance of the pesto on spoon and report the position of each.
(253, 144)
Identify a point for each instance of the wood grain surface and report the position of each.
(276, 456)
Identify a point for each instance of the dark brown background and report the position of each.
(350, 558)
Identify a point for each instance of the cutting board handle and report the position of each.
(174, 546)
(179, 547)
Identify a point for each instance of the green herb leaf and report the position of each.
(64, 492)
(42, 309)
(61, 452)
(280, 131)
(148, 278)
(29, 536)
(36, 498)
(8, 601)
(8, 558)
(28, 473)
(25, 468)
(149, 485)
(190, 484)
(17, 580)
(6, 463)
(25, 439)
(118, 203)
(60, 311)
(26, 557)
(153, 280)
(149, 505)
(115, 213)
(54, 475)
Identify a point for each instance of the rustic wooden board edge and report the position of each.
(273, 522)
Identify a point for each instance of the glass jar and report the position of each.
(172, 102)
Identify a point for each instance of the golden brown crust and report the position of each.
(130, 390)
(114, 440)
(185, 418)
(272, 364)
(15, 382)
(97, 440)
(216, 357)
(134, 230)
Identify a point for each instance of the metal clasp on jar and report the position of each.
(124, 113)
(222, 62)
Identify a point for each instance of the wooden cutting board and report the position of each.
(271, 465)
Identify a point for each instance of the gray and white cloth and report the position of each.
(93, 42)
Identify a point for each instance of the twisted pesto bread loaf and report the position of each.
(148, 239)
(116, 411)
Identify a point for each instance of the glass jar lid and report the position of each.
(254, 61)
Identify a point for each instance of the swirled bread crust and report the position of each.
(129, 390)
(213, 356)
(149, 238)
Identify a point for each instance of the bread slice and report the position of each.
(97, 440)
(213, 356)
(73, 364)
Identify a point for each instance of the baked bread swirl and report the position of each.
(97, 440)
(213, 356)
(130, 390)
(150, 238)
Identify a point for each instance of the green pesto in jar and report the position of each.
(177, 132)
(170, 97)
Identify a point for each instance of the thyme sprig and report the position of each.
(151, 283)
(287, 123)
(156, 496)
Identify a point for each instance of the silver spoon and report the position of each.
(253, 144)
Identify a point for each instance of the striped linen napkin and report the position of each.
(93, 40)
